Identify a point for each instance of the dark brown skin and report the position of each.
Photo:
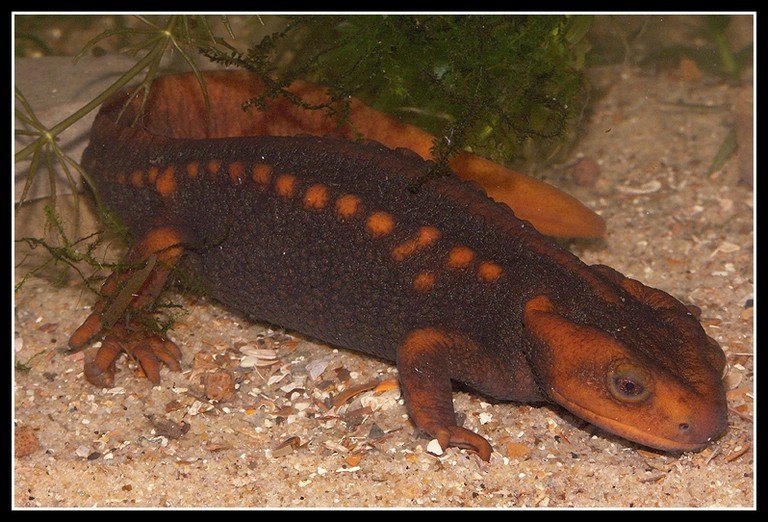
(331, 239)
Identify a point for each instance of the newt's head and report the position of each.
(658, 382)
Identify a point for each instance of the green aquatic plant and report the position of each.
(26, 366)
(182, 34)
(62, 251)
(502, 86)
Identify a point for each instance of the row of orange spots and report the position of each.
(424, 238)
(164, 181)
(378, 224)
(487, 271)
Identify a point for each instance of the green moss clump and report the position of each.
(506, 87)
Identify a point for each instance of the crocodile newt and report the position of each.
(353, 243)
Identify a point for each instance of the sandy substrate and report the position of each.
(289, 436)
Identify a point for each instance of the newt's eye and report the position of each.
(629, 382)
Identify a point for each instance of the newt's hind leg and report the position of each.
(118, 318)
(425, 363)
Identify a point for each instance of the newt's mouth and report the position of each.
(685, 435)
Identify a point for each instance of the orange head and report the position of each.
(657, 382)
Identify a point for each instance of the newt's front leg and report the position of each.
(426, 361)
(116, 319)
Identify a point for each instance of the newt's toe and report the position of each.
(100, 371)
(87, 331)
(459, 437)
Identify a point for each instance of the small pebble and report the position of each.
(586, 172)
(219, 386)
(26, 441)
(434, 447)
(688, 70)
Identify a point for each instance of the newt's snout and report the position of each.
(704, 422)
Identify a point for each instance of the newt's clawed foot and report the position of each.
(459, 437)
(126, 299)
(148, 349)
